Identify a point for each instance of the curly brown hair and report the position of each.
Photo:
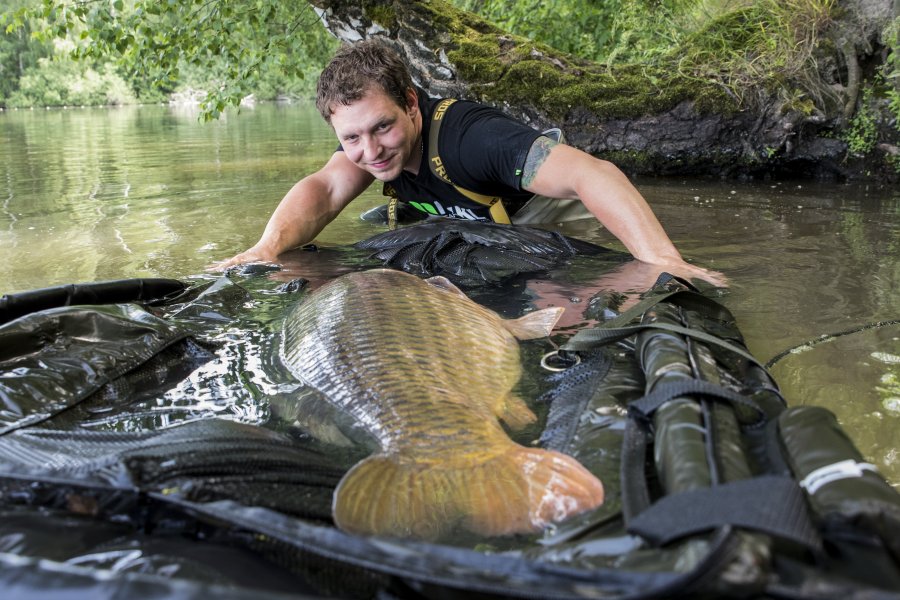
(357, 67)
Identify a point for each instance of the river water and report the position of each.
(94, 194)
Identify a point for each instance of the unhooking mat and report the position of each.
(715, 487)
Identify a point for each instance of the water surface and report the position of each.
(93, 194)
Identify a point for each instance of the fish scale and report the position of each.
(428, 373)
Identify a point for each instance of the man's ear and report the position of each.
(412, 101)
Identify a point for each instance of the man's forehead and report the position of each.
(374, 106)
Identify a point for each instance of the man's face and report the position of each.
(379, 136)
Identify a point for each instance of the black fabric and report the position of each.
(782, 514)
(266, 489)
(604, 334)
(39, 579)
(483, 150)
(54, 359)
(13, 306)
(570, 399)
(207, 460)
(634, 488)
(472, 253)
(455, 572)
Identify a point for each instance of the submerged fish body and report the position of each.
(428, 372)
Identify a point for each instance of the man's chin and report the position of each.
(384, 175)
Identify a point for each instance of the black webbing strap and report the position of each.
(635, 311)
(638, 437)
(770, 504)
(618, 328)
(643, 408)
(632, 478)
(606, 334)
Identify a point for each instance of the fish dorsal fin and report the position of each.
(534, 325)
(445, 284)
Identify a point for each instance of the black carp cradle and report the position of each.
(428, 372)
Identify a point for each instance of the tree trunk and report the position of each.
(646, 119)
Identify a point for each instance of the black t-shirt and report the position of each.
(483, 151)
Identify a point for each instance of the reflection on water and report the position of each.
(97, 194)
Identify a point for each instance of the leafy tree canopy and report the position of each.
(238, 42)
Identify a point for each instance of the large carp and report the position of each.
(428, 372)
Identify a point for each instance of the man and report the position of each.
(383, 123)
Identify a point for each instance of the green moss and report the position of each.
(446, 17)
(764, 45)
(501, 67)
(631, 159)
(621, 92)
(381, 13)
(802, 105)
(476, 59)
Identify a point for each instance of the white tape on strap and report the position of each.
(844, 469)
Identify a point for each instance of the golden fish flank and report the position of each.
(429, 372)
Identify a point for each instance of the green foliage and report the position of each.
(891, 38)
(613, 31)
(738, 45)
(64, 82)
(231, 45)
(889, 390)
(862, 131)
(766, 45)
(579, 27)
(891, 70)
(19, 50)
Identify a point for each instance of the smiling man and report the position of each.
(451, 158)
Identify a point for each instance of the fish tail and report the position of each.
(525, 489)
(520, 490)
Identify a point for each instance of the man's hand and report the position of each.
(253, 255)
(687, 271)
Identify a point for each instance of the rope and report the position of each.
(827, 338)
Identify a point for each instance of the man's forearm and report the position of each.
(300, 216)
(620, 207)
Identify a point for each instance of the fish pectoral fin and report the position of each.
(442, 283)
(515, 413)
(534, 325)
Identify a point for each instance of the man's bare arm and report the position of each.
(305, 210)
(561, 171)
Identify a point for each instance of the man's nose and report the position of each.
(371, 148)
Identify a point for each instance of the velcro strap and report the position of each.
(770, 504)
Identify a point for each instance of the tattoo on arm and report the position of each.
(538, 153)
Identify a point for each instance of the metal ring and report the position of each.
(546, 364)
